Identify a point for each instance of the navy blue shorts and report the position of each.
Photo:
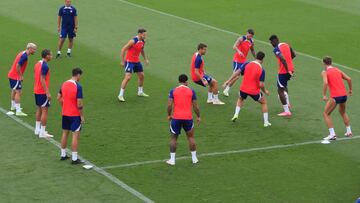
(208, 78)
(133, 67)
(41, 100)
(177, 124)
(237, 66)
(72, 123)
(15, 84)
(244, 95)
(67, 32)
(340, 100)
(283, 79)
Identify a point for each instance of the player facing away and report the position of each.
(68, 20)
(285, 55)
(182, 100)
(333, 79)
(16, 77)
(252, 85)
(42, 93)
(70, 97)
(241, 47)
(199, 76)
(130, 60)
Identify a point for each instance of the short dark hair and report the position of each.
(141, 30)
(273, 37)
(260, 55)
(327, 60)
(76, 71)
(45, 53)
(251, 31)
(201, 46)
(183, 78)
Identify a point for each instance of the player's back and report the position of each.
(286, 52)
(335, 82)
(133, 53)
(252, 76)
(70, 91)
(13, 74)
(182, 97)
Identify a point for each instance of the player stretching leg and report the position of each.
(71, 99)
(183, 99)
(16, 77)
(242, 46)
(42, 93)
(285, 55)
(253, 82)
(199, 76)
(333, 78)
(131, 63)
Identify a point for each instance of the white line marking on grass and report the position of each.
(96, 168)
(225, 31)
(256, 149)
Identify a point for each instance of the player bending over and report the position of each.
(253, 82)
(333, 78)
(71, 99)
(242, 46)
(285, 55)
(182, 100)
(199, 76)
(131, 63)
(42, 93)
(16, 77)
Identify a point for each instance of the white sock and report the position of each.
(69, 51)
(172, 157)
(193, 154)
(332, 131)
(12, 103)
(216, 97)
(227, 88)
(63, 152)
(37, 126)
(59, 52)
(266, 117)
(286, 108)
(287, 98)
(42, 129)
(74, 156)
(237, 110)
(17, 107)
(121, 92)
(140, 90)
(210, 95)
(348, 129)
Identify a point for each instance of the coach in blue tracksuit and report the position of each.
(67, 18)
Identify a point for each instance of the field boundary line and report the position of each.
(96, 168)
(226, 31)
(211, 154)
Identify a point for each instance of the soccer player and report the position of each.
(42, 93)
(68, 20)
(16, 77)
(242, 47)
(333, 78)
(253, 82)
(71, 99)
(131, 63)
(199, 76)
(182, 99)
(285, 55)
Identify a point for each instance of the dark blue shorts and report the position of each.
(283, 79)
(177, 124)
(340, 100)
(208, 78)
(133, 67)
(15, 84)
(244, 95)
(237, 66)
(72, 123)
(41, 100)
(67, 32)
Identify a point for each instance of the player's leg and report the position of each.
(44, 106)
(63, 35)
(141, 77)
(127, 77)
(213, 88)
(287, 97)
(189, 129)
(12, 97)
(264, 107)
(37, 120)
(70, 46)
(64, 138)
(229, 83)
(75, 126)
(239, 104)
(329, 108)
(175, 127)
(17, 98)
(282, 89)
(345, 117)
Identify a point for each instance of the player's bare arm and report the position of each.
(169, 108)
(80, 106)
(325, 85)
(283, 61)
(197, 73)
(43, 84)
(235, 47)
(59, 22)
(293, 54)
(263, 89)
(60, 99)
(197, 111)
(76, 23)
(252, 49)
(125, 49)
(349, 82)
(145, 57)
(18, 69)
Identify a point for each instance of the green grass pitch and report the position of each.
(137, 131)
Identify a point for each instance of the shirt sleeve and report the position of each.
(171, 94)
(198, 62)
(193, 95)
(79, 93)
(60, 11)
(262, 77)
(44, 69)
(242, 68)
(277, 51)
(75, 12)
(23, 59)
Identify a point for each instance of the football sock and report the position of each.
(286, 108)
(12, 103)
(227, 88)
(42, 130)
(140, 90)
(237, 110)
(69, 51)
(210, 95)
(266, 117)
(63, 152)
(59, 52)
(74, 156)
(37, 126)
(332, 131)
(287, 98)
(193, 154)
(172, 157)
(216, 97)
(121, 92)
(17, 107)
(348, 129)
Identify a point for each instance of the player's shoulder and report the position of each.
(135, 39)
(62, 7)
